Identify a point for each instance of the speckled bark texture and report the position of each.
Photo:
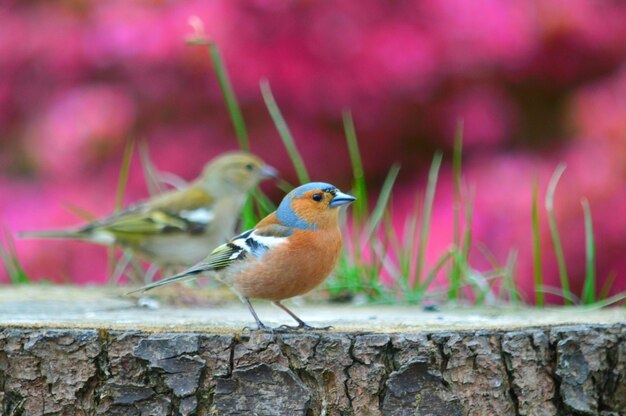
(576, 370)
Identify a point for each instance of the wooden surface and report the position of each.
(89, 351)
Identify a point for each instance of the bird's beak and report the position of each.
(268, 171)
(341, 199)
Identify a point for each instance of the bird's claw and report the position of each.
(260, 327)
(305, 327)
(286, 328)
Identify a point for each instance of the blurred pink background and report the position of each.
(537, 83)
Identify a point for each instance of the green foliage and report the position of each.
(537, 269)
(429, 199)
(374, 247)
(359, 186)
(554, 232)
(284, 132)
(589, 286)
(457, 158)
(12, 265)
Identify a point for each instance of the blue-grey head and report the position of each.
(312, 205)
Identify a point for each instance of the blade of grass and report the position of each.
(79, 212)
(360, 208)
(149, 171)
(473, 279)
(457, 158)
(433, 273)
(588, 295)
(606, 286)
(199, 37)
(509, 277)
(119, 200)
(383, 200)
(11, 262)
(554, 232)
(265, 205)
(284, 132)
(607, 302)
(257, 206)
(498, 269)
(408, 249)
(124, 171)
(6, 261)
(537, 269)
(464, 251)
(433, 174)
(559, 292)
(469, 217)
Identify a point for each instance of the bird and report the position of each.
(177, 228)
(288, 253)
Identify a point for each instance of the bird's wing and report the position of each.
(255, 242)
(189, 211)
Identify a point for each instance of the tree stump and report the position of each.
(68, 351)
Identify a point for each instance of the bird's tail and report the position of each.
(186, 275)
(98, 236)
(53, 234)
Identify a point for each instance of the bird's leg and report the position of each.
(260, 325)
(301, 323)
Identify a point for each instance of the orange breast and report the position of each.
(291, 269)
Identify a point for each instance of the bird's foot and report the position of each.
(260, 327)
(304, 326)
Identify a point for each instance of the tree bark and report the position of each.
(562, 370)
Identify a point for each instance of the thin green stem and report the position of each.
(149, 171)
(199, 38)
(359, 188)
(554, 232)
(124, 171)
(383, 200)
(12, 265)
(537, 268)
(433, 273)
(284, 132)
(236, 117)
(588, 295)
(427, 213)
(509, 277)
(457, 158)
(119, 197)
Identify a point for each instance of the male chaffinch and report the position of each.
(287, 254)
(179, 227)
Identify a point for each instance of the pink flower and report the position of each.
(82, 127)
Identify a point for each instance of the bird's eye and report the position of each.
(250, 167)
(317, 197)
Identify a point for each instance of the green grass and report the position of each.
(554, 232)
(374, 246)
(457, 160)
(12, 265)
(429, 200)
(359, 185)
(588, 295)
(537, 255)
(284, 132)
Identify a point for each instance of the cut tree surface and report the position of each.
(90, 351)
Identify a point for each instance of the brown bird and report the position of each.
(179, 227)
(288, 253)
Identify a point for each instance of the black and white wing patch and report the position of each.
(255, 242)
(258, 241)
